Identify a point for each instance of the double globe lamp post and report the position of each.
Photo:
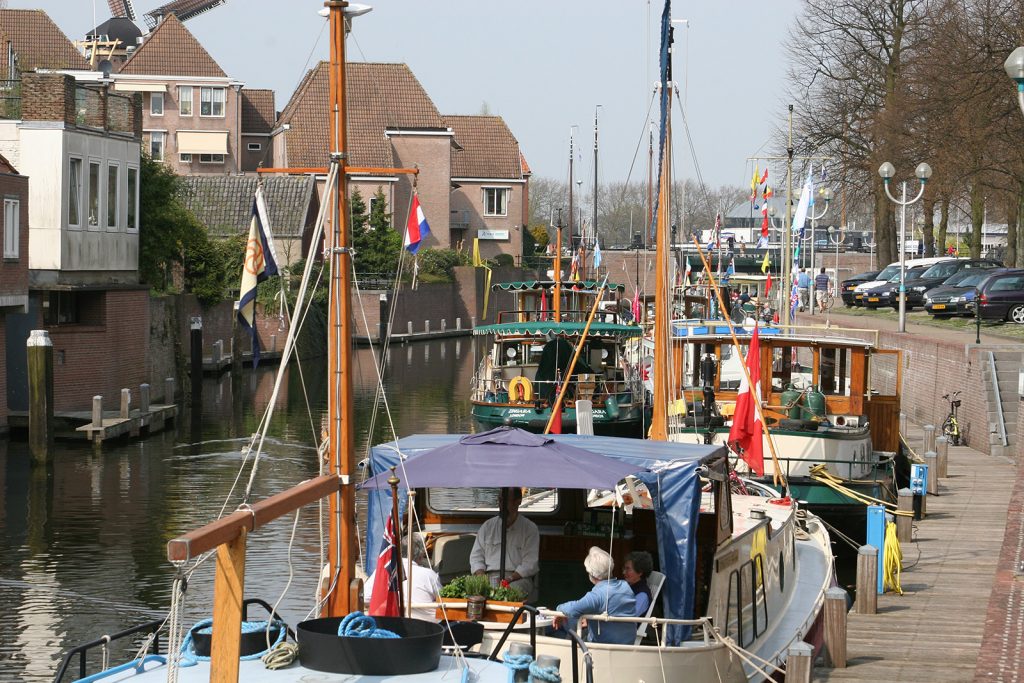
(923, 173)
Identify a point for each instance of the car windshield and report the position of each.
(970, 278)
(944, 269)
(888, 272)
(911, 274)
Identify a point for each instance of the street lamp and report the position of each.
(826, 194)
(923, 173)
(1014, 67)
(836, 237)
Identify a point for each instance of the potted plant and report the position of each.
(477, 591)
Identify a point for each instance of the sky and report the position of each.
(542, 65)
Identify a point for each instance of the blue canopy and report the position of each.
(671, 477)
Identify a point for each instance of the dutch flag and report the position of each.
(417, 228)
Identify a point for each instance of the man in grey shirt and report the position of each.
(821, 287)
(803, 285)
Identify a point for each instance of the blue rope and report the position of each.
(516, 663)
(547, 674)
(188, 653)
(359, 625)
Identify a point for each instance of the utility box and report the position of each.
(918, 479)
(876, 538)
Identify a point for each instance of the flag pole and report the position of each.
(396, 532)
(777, 475)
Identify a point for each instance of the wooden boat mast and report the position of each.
(662, 320)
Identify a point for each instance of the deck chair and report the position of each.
(654, 582)
(451, 556)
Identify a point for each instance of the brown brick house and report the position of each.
(13, 266)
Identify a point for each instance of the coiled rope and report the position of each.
(517, 662)
(359, 625)
(820, 474)
(893, 562)
(548, 674)
(190, 658)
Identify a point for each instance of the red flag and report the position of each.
(768, 284)
(745, 436)
(556, 424)
(543, 304)
(384, 601)
(636, 307)
(764, 178)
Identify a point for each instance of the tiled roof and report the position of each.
(257, 110)
(224, 203)
(380, 97)
(172, 50)
(37, 42)
(488, 148)
(522, 162)
(6, 166)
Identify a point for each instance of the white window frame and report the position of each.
(12, 227)
(75, 191)
(254, 147)
(133, 199)
(183, 98)
(90, 224)
(155, 97)
(203, 91)
(163, 144)
(211, 160)
(504, 193)
(185, 158)
(114, 187)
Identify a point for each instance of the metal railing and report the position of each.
(565, 315)
(598, 388)
(10, 99)
(1001, 421)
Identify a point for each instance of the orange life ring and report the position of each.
(520, 390)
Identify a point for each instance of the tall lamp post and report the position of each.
(1014, 67)
(835, 237)
(826, 194)
(923, 173)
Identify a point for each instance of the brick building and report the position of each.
(14, 265)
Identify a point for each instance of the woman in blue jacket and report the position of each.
(609, 595)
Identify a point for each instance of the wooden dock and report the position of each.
(78, 424)
(934, 631)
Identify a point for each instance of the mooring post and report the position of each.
(905, 523)
(196, 348)
(444, 324)
(835, 627)
(931, 459)
(169, 391)
(40, 395)
(867, 570)
(273, 343)
(903, 425)
(426, 327)
(942, 462)
(218, 353)
(929, 437)
(97, 412)
(382, 326)
(799, 663)
(410, 327)
(126, 403)
(458, 324)
(143, 398)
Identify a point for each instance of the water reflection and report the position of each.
(82, 543)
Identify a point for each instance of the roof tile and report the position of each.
(224, 203)
(37, 42)
(257, 110)
(488, 148)
(172, 50)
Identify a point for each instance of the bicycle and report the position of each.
(951, 426)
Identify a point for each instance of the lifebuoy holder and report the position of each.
(520, 390)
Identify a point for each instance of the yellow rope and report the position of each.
(893, 561)
(819, 474)
(914, 457)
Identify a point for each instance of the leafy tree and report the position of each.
(377, 244)
(438, 265)
(213, 267)
(166, 227)
(539, 235)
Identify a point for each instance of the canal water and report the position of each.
(83, 543)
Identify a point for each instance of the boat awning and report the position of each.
(540, 328)
(671, 474)
(203, 142)
(131, 86)
(550, 284)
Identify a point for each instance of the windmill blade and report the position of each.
(121, 8)
(183, 9)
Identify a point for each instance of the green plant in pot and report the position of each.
(477, 588)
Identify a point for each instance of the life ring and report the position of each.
(520, 390)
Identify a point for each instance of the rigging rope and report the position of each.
(893, 559)
(820, 474)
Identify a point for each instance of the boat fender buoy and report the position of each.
(520, 390)
(787, 501)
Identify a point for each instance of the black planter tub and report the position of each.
(417, 650)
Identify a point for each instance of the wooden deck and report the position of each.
(933, 632)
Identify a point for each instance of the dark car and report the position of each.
(1002, 296)
(940, 273)
(956, 295)
(887, 294)
(850, 284)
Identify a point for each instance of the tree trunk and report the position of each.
(977, 218)
(883, 227)
(928, 229)
(940, 241)
(1012, 216)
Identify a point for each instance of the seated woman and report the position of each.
(638, 566)
(608, 595)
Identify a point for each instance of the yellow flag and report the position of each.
(765, 263)
(476, 253)
(753, 180)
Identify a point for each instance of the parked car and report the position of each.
(956, 295)
(850, 284)
(1002, 297)
(887, 294)
(888, 272)
(940, 272)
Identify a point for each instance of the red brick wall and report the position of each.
(14, 274)
(48, 97)
(103, 359)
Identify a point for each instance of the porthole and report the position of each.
(782, 573)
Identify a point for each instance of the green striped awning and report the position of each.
(550, 284)
(541, 328)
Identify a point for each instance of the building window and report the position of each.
(156, 146)
(156, 104)
(254, 147)
(73, 308)
(211, 102)
(94, 194)
(185, 100)
(185, 157)
(495, 201)
(75, 193)
(133, 200)
(211, 158)
(12, 224)
(113, 188)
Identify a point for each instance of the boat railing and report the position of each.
(565, 316)
(880, 469)
(496, 389)
(688, 327)
(150, 629)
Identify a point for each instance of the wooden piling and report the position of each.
(40, 395)
(903, 424)
(799, 663)
(426, 326)
(126, 403)
(196, 355)
(929, 437)
(942, 448)
(835, 627)
(931, 459)
(144, 398)
(867, 577)
(905, 523)
(382, 307)
(168, 390)
(97, 412)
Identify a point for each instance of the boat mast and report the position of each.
(340, 432)
(558, 267)
(593, 220)
(571, 153)
(787, 232)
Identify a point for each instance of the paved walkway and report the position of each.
(961, 615)
(870, 322)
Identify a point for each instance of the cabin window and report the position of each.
(747, 611)
(484, 501)
(760, 602)
(691, 361)
(833, 370)
(782, 573)
(733, 610)
(782, 367)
